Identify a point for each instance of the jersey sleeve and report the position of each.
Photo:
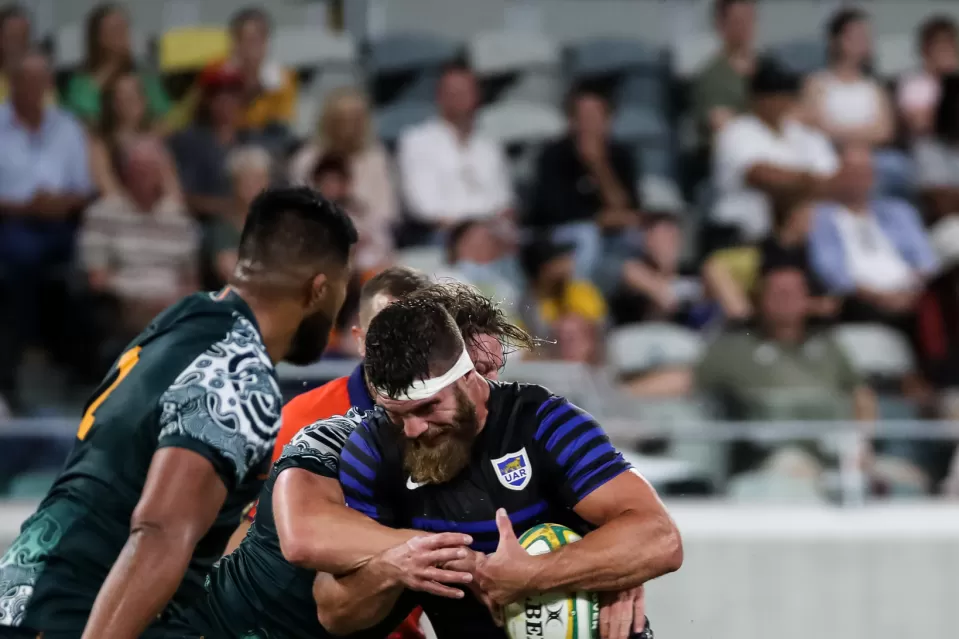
(576, 447)
(361, 477)
(317, 447)
(225, 405)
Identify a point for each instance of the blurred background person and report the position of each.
(249, 168)
(139, 247)
(872, 252)
(585, 189)
(449, 171)
(475, 256)
(721, 88)
(844, 100)
(124, 116)
(764, 152)
(937, 156)
(15, 38)
(109, 54)
(918, 92)
(44, 183)
(346, 130)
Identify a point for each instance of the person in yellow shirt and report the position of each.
(553, 291)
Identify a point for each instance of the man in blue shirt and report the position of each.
(44, 182)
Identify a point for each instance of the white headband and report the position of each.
(426, 388)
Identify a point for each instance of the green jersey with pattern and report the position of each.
(197, 378)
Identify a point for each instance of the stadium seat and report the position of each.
(392, 120)
(521, 122)
(643, 90)
(310, 48)
(635, 125)
(510, 51)
(660, 193)
(657, 158)
(800, 56)
(192, 48)
(571, 380)
(31, 485)
(606, 56)
(895, 54)
(403, 52)
(643, 347)
(876, 350)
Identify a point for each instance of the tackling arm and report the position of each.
(164, 531)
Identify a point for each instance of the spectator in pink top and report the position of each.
(918, 92)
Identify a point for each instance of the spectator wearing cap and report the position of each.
(937, 156)
(201, 150)
(844, 100)
(585, 189)
(476, 256)
(449, 171)
(139, 246)
(249, 168)
(108, 55)
(721, 88)
(346, 129)
(764, 152)
(333, 179)
(873, 252)
(919, 91)
(44, 183)
(554, 290)
(732, 274)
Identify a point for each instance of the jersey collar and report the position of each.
(356, 387)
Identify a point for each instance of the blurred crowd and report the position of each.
(828, 198)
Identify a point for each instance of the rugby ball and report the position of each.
(554, 615)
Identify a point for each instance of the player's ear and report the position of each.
(359, 336)
(319, 288)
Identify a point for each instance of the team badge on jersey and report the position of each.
(513, 470)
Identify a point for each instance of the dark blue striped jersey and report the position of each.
(537, 456)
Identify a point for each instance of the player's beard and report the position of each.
(440, 458)
(310, 339)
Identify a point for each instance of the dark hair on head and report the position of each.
(840, 21)
(410, 340)
(108, 114)
(331, 163)
(295, 226)
(94, 53)
(250, 14)
(583, 90)
(11, 12)
(396, 281)
(936, 27)
(947, 113)
(476, 314)
(722, 6)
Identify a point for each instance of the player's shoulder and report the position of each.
(317, 447)
(519, 397)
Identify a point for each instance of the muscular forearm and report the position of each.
(356, 601)
(624, 553)
(141, 582)
(338, 540)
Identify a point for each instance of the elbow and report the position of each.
(335, 621)
(296, 549)
(671, 547)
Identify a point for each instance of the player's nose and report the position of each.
(414, 427)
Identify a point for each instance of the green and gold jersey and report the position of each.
(198, 378)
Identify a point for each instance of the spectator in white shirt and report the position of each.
(764, 152)
(844, 100)
(918, 92)
(449, 172)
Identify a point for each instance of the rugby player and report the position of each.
(448, 451)
(176, 441)
(264, 588)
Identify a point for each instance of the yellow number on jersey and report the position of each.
(127, 361)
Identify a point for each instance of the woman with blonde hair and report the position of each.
(345, 130)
